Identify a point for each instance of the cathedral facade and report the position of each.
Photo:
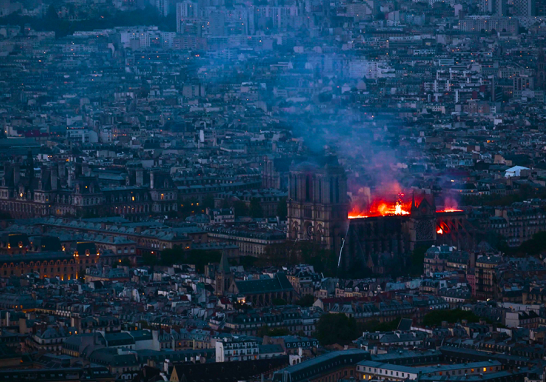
(318, 209)
(317, 203)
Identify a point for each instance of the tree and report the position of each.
(306, 301)
(267, 331)
(436, 317)
(255, 210)
(240, 208)
(277, 332)
(149, 259)
(225, 203)
(278, 301)
(533, 246)
(172, 256)
(51, 14)
(497, 241)
(417, 260)
(376, 326)
(282, 209)
(208, 201)
(263, 331)
(125, 262)
(336, 329)
(323, 261)
(199, 258)
(276, 254)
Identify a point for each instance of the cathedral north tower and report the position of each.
(318, 203)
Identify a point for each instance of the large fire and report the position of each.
(381, 207)
(395, 206)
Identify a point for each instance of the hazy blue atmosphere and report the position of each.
(272, 190)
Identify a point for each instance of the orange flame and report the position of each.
(442, 228)
(450, 210)
(381, 208)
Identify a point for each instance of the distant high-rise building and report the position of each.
(162, 6)
(187, 18)
(501, 8)
(540, 7)
(216, 22)
(187, 10)
(523, 8)
(494, 7)
(488, 6)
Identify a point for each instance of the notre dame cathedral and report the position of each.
(318, 208)
(317, 202)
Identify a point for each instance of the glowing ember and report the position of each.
(440, 231)
(450, 210)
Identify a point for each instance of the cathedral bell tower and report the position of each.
(317, 202)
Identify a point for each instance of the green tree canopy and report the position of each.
(436, 317)
(240, 208)
(208, 201)
(376, 326)
(307, 300)
(282, 209)
(225, 203)
(336, 329)
(278, 301)
(267, 331)
(417, 261)
(533, 246)
(149, 259)
(255, 210)
(199, 258)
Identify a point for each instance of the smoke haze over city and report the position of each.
(272, 190)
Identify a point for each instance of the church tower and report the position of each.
(223, 276)
(317, 202)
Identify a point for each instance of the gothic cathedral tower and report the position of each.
(317, 202)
